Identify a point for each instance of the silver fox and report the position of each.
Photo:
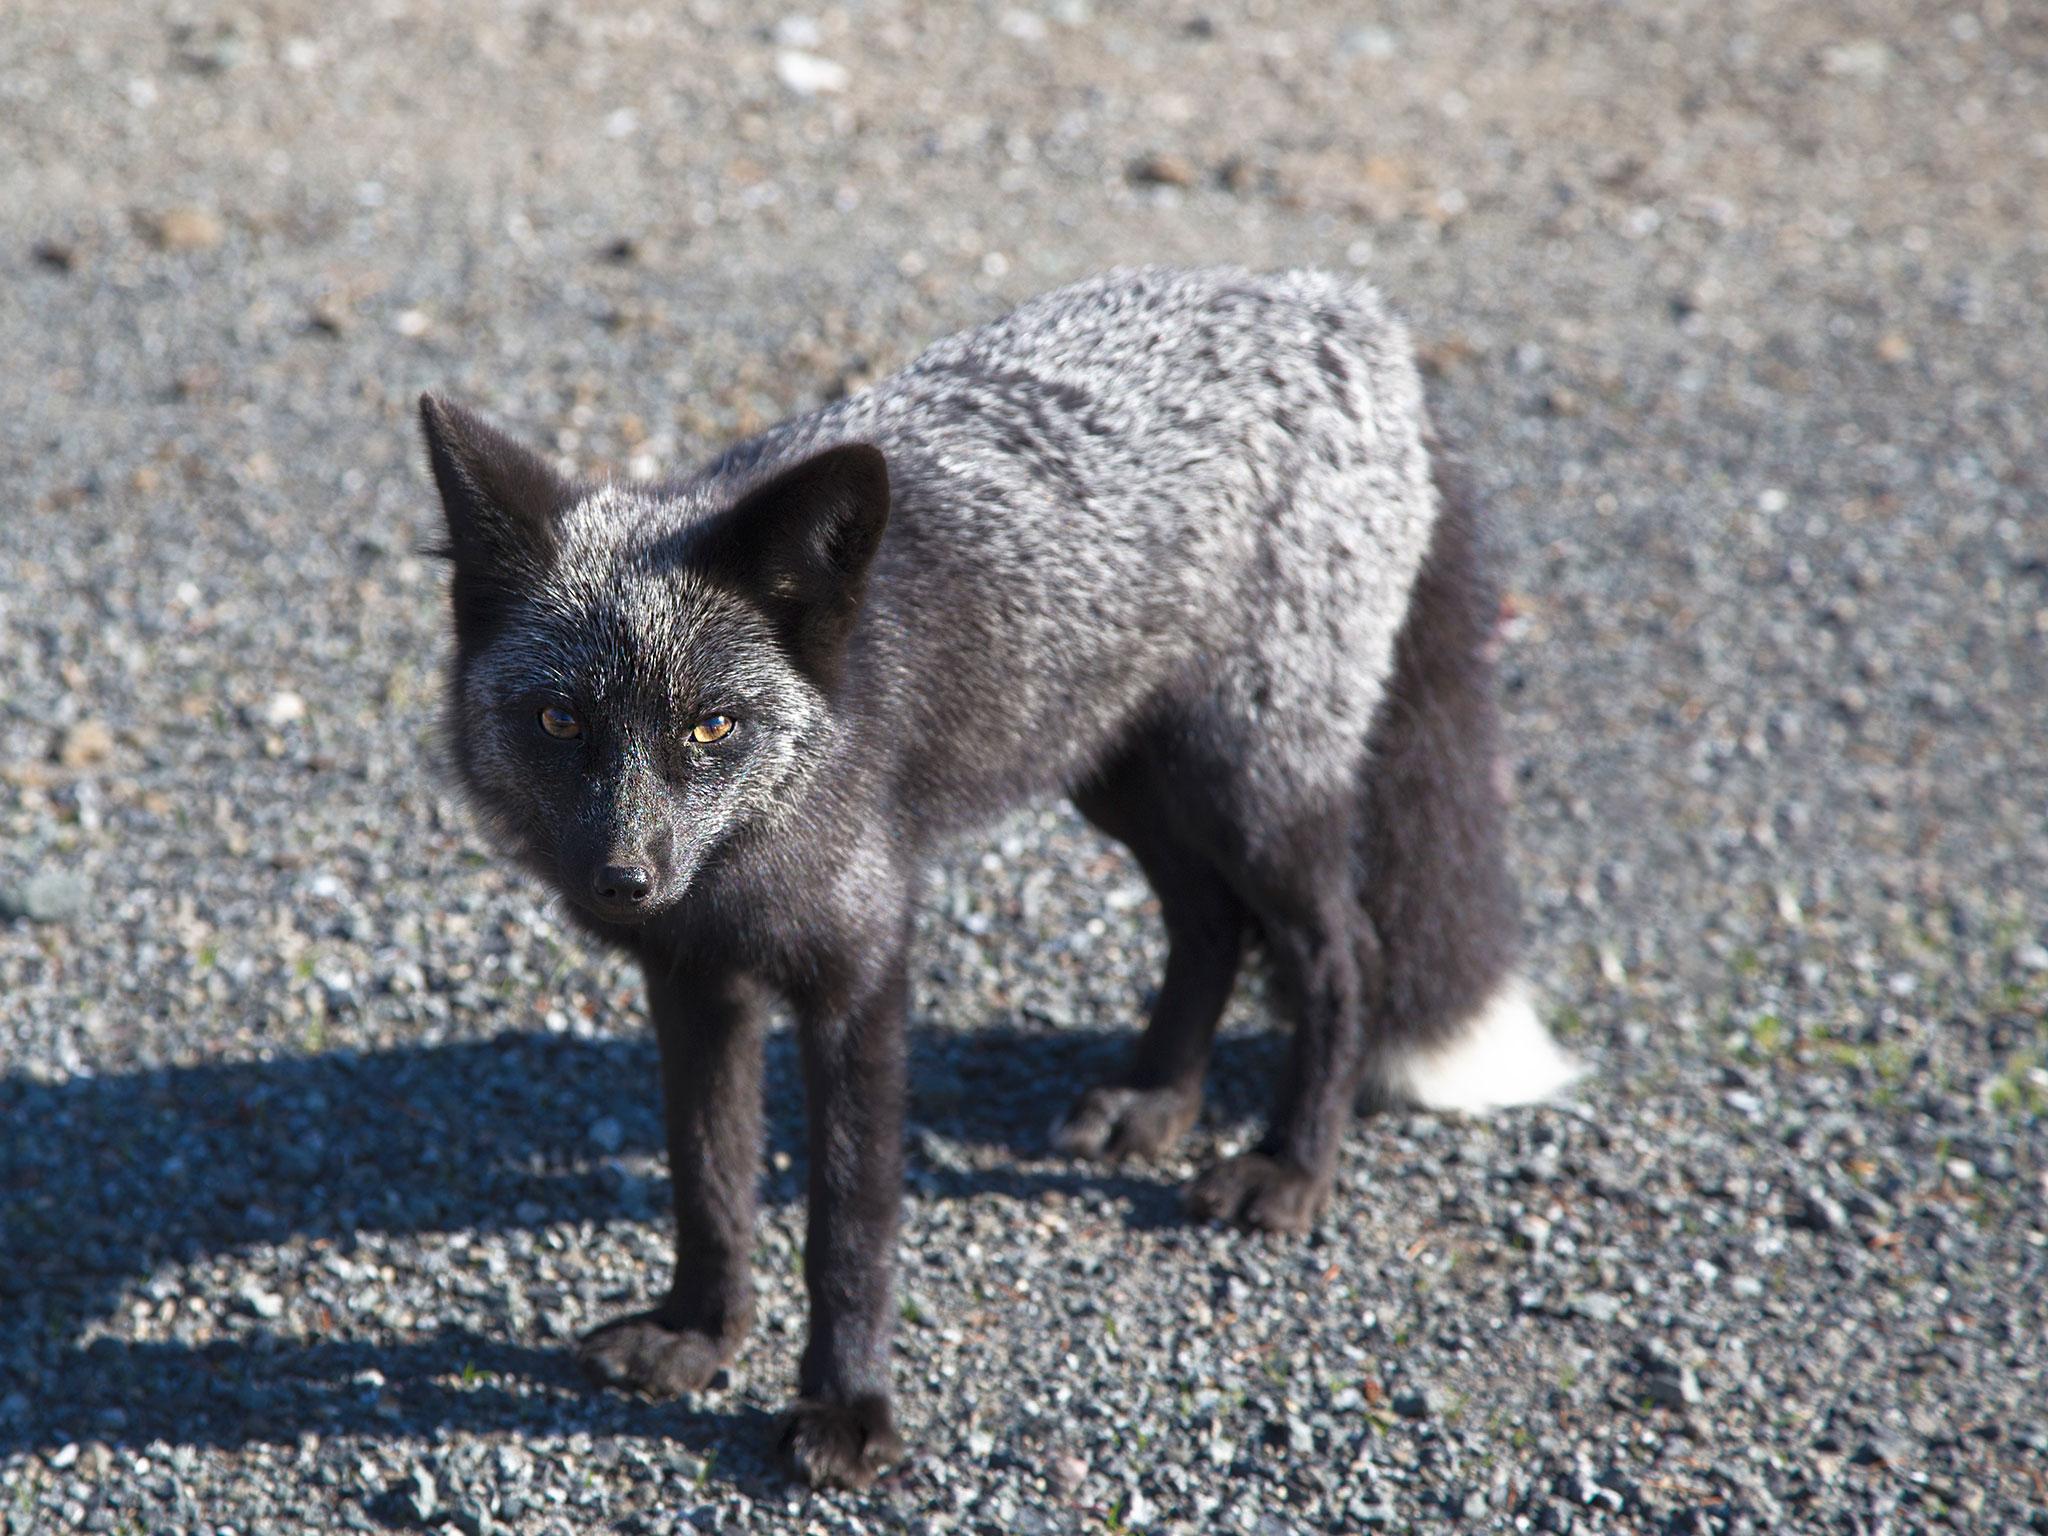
(1175, 544)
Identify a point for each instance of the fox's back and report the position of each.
(1199, 487)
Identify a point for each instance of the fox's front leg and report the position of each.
(841, 1431)
(709, 1027)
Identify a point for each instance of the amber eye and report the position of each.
(560, 723)
(712, 728)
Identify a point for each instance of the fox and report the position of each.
(1182, 546)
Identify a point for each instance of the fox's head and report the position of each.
(641, 676)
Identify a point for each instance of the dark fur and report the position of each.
(1436, 887)
(897, 695)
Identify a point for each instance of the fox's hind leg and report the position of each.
(1153, 1104)
(1293, 868)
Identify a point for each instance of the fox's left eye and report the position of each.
(560, 723)
(712, 728)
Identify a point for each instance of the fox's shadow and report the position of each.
(103, 1180)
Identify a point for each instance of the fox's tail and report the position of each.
(1455, 1027)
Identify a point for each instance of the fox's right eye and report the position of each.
(560, 723)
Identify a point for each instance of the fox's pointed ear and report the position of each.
(501, 499)
(800, 545)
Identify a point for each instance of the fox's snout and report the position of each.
(628, 883)
(627, 850)
(622, 888)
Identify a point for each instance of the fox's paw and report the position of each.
(644, 1354)
(1261, 1192)
(1115, 1123)
(840, 1445)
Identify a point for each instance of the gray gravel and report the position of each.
(323, 1136)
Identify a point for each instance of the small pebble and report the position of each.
(50, 896)
(84, 744)
(806, 74)
(186, 229)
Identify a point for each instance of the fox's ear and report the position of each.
(501, 499)
(800, 546)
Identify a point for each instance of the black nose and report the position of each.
(620, 885)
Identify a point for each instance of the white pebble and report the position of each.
(809, 75)
(283, 708)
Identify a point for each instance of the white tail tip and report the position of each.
(1502, 1056)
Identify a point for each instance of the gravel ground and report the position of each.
(323, 1136)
